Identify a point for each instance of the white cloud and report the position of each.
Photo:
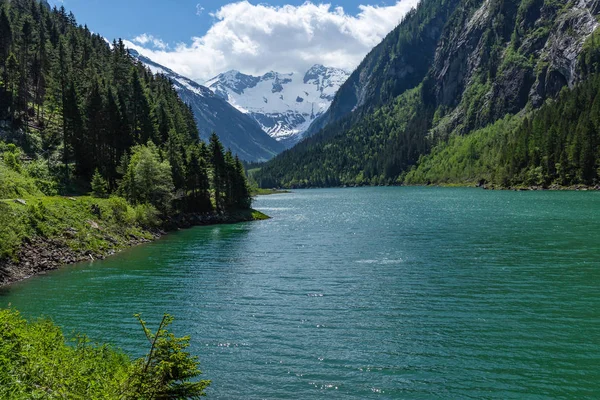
(257, 38)
(147, 39)
(199, 9)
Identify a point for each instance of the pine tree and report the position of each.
(91, 152)
(12, 78)
(99, 185)
(197, 181)
(219, 171)
(115, 131)
(243, 197)
(73, 143)
(142, 124)
(230, 180)
(6, 36)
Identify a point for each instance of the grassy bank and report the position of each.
(80, 223)
(266, 192)
(41, 233)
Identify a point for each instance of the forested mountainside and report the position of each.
(441, 81)
(236, 130)
(76, 108)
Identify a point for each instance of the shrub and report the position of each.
(147, 216)
(36, 363)
(14, 185)
(39, 171)
(166, 371)
(120, 210)
(11, 233)
(12, 161)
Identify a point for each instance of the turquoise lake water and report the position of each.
(383, 293)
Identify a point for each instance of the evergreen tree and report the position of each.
(242, 195)
(6, 36)
(73, 143)
(99, 185)
(230, 180)
(197, 181)
(219, 172)
(91, 152)
(141, 115)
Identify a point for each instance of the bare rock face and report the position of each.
(560, 54)
(459, 54)
(510, 92)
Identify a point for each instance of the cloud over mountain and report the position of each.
(257, 38)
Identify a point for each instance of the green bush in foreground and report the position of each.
(36, 363)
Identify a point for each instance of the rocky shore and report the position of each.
(554, 187)
(40, 255)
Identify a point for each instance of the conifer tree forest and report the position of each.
(85, 111)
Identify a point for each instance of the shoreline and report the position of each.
(40, 255)
(520, 188)
(486, 186)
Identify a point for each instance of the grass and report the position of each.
(258, 216)
(265, 192)
(84, 224)
(246, 216)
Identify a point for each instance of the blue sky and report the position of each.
(200, 39)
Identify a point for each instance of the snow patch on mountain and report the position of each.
(284, 105)
(180, 82)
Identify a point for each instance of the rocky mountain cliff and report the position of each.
(236, 130)
(451, 67)
(504, 56)
(284, 105)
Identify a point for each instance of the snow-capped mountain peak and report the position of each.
(283, 104)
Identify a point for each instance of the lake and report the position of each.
(383, 293)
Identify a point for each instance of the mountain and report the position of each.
(499, 91)
(284, 105)
(236, 130)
